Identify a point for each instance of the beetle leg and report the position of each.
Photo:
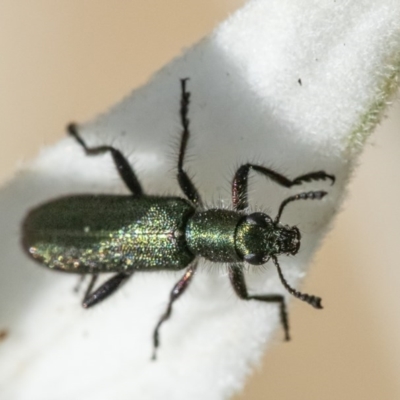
(106, 289)
(240, 182)
(123, 167)
(239, 285)
(78, 286)
(176, 292)
(89, 289)
(184, 181)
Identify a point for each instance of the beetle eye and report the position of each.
(254, 259)
(259, 219)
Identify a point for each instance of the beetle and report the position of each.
(92, 234)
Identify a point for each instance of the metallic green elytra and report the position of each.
(88, 234)
(91, 234)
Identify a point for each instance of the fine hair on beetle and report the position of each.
(92, 234)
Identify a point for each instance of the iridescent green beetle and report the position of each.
(91, 234)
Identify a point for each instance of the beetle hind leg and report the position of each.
(124, 169)
(105, 290)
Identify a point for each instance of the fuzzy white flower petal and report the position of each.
(296, 85)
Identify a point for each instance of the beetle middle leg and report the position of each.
(123, 167)
(240, 182)
(184, 181)
(239, 285)
(176, 292)
(106, 289)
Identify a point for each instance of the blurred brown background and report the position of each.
(69, 60)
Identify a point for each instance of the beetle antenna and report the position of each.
(316, 195)
(310, 299)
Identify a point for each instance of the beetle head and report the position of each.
(258, 238)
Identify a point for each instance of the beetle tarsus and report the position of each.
(124, 169)
(176, 292)
(239, 285)
(240, 182)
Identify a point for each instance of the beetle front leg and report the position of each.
(240, 182)
(176, 292)
(239, 285)
(123, 167)
(106, 289)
